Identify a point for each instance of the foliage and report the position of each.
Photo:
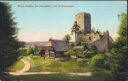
(33, 51)
(18, 65)
(120, 52)
(101, 60)
(92, 48)
(30, 51)
(84, 42)
(67, 39)
(22, 44)
(23, 51)
(123, 27)
(48, 64)
(71, 45)
(36, 50)
(74, 52)
(75, 29)
(69, 53)
(9, 44)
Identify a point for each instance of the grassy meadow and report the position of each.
(18, 65)
(39, 64)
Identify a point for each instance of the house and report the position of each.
(55, 47)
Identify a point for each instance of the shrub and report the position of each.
(69, 53)
(74, 52)
(32, 51)
(22, 52)
(101, 60)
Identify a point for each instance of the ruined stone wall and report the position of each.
(84, 21)
(91, 37)
(105, 43)
(102, 45)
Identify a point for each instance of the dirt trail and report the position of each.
(25, 69)
(32, 73)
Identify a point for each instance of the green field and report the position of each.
(39, 64)
(18, 65)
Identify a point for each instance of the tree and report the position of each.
(22, 44)
(36, 50)
(9, 43)
(75, 29)
(74, 52)
(67, 39)
(123, 28)
(30, 51)
(120, 51)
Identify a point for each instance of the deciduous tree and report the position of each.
(120, 51)
(67, 39)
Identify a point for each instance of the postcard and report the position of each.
(63, 40)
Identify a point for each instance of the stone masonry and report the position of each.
(84, 21)
(102, 43)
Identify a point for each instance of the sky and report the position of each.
(41, 20)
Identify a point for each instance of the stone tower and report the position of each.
(83, 19)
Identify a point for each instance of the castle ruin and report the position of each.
(84, 21)
(102, 43)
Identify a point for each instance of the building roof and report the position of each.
(59, 45)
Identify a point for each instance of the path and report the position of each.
(26, 67)
(32, 73)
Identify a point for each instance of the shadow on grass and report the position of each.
(96, 76)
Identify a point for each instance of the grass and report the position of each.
(16, 66)
(39, 64)
(97, 76)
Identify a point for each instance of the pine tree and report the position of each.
(76, 30)
(9, 43)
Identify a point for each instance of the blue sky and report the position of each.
(41, 23)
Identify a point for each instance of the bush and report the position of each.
(22, 52)
(101, 60)
(32, 51)
(74, 52)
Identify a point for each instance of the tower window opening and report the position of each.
(89, 38)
